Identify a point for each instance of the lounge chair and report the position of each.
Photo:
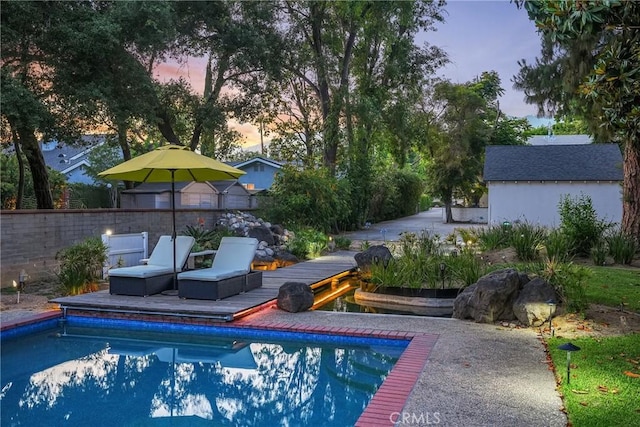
(157, 275)
(229, 275)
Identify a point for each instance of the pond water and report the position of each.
(79, 375)
(341, 299)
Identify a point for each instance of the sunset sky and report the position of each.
(478, 35)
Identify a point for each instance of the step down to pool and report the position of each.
(315, 273)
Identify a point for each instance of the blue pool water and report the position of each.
(138, 374)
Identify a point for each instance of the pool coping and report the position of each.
(386, 405)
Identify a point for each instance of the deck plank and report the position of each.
(310, 272)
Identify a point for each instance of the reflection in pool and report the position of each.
(81, 376)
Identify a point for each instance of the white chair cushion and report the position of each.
(163, 252)
(141, 271)
(209, 274)
(233, 258)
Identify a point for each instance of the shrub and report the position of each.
(599, 252)
(206, 239)
(557, 245)
(426, 202)
(465, 269)
(308, 198)
(493, 237)
(527, 239)
(342, 242)
(308, 243)
(569, 281)
(397, 194)
(580, 223)
(81, 265)
(622, 247)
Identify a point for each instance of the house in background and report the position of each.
(527, 182)
(189, 195)
(559, 139)
(260, 172)
(72, 160)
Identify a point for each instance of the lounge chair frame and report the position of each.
(157, 275)
(229, 275)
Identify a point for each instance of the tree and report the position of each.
(590, 66)
(461, 121)
(460, 137)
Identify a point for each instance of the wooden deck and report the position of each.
(315, 273)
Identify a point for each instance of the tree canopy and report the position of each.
(590, 67)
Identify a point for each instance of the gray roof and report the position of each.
(63, 157)
(590, 162)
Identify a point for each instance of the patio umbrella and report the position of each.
(172, 163)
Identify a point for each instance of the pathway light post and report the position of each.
(569, 348)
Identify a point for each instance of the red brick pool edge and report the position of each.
(384, 409)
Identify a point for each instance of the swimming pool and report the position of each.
(105, 372)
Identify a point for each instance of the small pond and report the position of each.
(342, 298)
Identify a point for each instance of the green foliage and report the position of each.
(9, 184)
(308, 243)
(569, 281)
(426, 202)
(622, 247)
(580, 223)
(89, 196)
(465, 268)
(599, 252)
(419, 263)
(81, 265)
(309, 198)
(493, 237)
(206, 239)
(342, 242)
(397, 194)
(527, 239)
(557, 245)
(590, 66)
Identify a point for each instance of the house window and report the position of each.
(261, 168)
(256, 168)
(197, 200)
(162, 201)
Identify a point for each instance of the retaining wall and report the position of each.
(30, 239)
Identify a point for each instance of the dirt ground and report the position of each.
(598, 320)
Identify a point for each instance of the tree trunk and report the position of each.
(124, 146)
(631, 190)
(39, 174)
(20, 189)
(447, 209)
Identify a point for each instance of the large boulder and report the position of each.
(490, 299)
(373, 254)
(532, 307)
(262, 233)
(295, 297)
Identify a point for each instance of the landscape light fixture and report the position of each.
(569, 348)
(551, 303)
(443, 267)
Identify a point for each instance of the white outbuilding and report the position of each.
(527, 183)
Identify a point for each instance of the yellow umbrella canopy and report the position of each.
(172, 163)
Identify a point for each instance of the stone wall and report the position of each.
(30, 239)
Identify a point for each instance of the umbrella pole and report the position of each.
(173, 212)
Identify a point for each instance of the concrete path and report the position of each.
(476, 375)
(390, 231)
